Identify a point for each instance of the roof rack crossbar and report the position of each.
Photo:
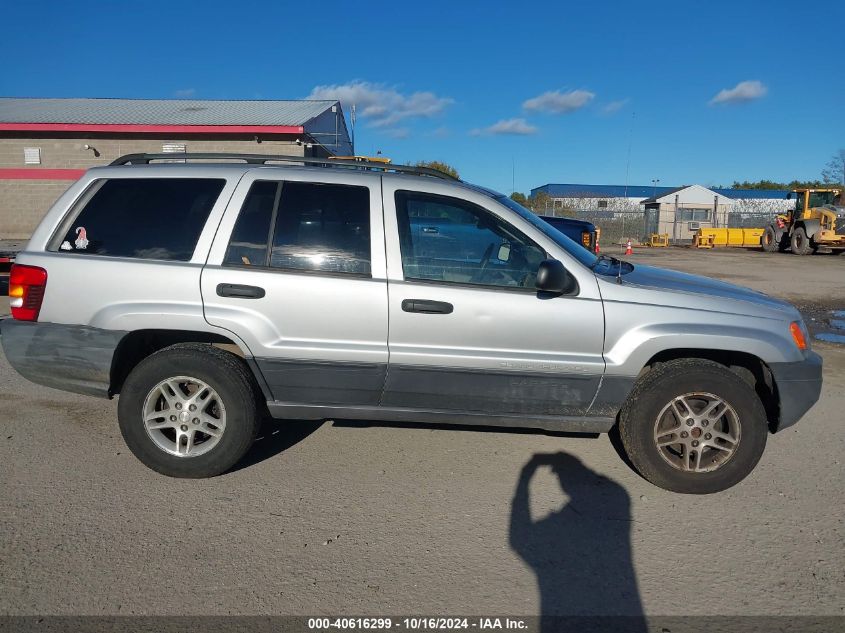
(261, 159)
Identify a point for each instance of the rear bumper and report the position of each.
(67, 357)
(799, 386)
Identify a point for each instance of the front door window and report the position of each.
(453, 241)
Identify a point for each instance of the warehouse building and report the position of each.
(678, 211)
(46, 144)
(627, 198)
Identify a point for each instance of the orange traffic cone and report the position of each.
(628, 249)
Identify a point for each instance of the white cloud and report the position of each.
(557, 102)
(506, 126)
(397, 132)
(742, 92)
(615, 106)
(185, 93)
(382, 105)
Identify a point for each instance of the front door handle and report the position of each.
(240, 291)
(426, 306)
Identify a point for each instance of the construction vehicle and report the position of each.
(818, 220)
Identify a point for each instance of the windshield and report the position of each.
(822, 198)
(570, 246)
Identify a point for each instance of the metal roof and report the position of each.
(161, 111)
(646, 191)
(754, 194)
(598, 191)
(668, 194)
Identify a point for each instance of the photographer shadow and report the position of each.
(581, 554)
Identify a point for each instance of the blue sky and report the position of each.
(507, 92)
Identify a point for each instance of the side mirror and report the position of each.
(552, 277)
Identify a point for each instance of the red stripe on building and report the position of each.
(37, 173)
(152, 129)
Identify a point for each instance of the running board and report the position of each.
(568, 424)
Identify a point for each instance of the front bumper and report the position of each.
(799, 385)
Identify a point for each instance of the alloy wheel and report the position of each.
(184, 416)
(697, 432)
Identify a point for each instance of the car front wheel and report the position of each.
(693, 426)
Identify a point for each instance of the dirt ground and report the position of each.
(340, 518)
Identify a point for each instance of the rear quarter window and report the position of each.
(143, 218)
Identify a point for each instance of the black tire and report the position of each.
(657, 389)
(223, 372)
(800, 243)
(769, 240)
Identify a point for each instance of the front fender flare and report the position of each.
(635, 348)
(811, 227)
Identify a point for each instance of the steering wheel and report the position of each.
(485, 259)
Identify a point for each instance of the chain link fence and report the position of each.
(621, 224)
(617, 227)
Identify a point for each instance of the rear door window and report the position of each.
(322, 228)
(251, 236)
(302, 226)
(144, 218)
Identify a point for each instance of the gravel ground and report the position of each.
(354, 519)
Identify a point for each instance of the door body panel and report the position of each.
(500, 350)
(317, 337)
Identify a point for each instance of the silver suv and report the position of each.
(209, 293)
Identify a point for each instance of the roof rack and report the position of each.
(261, 159)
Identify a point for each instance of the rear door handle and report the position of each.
(426, 306)
(240, 291)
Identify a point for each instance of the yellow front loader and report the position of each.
(818, 221)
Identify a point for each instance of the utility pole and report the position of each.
(513, 174)
(627, 171)
(352, 117)
(628, 161)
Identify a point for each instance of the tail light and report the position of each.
(586, 239)
(26, 291)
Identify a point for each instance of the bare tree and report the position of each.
(834, 171)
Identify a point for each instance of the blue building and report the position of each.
(630, 196)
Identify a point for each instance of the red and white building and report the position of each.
(46, 144)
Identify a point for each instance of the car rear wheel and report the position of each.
(693, 426)
(189, 411)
